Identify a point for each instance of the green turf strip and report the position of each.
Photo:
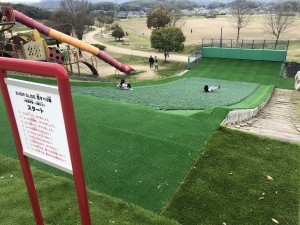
(260, 96)
(58, 202)
(184, 94)
(229, 185)
(262, 72)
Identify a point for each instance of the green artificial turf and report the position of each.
(131, 152)
(229, 183)
(183, 94)
(262, 72)
(261, 95)
(58, 202)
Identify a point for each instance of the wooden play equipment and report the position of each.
(37, 49)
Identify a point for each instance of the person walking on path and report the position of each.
(155, 63)
(297, 81)
(151, 62)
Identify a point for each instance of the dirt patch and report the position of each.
(107, 73)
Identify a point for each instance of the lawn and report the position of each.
(240, 179)
(228, 183)
(210, 28)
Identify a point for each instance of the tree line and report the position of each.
(163, 18)
(147, 4)
(31, 11)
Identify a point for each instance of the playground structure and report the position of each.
(24, 48)
(37, 49)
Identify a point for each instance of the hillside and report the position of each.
(53, 4)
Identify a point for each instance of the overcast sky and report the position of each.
(19, 1)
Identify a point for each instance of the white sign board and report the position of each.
(39, 117)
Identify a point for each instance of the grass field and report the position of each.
(141, 155)
(209, 28)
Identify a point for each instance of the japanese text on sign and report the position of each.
(38, 113)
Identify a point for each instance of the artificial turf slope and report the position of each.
(183, 94)
(262, 72)
(131, 152)
(139, 154)
(57, 199)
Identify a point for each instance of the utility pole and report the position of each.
(115, 8)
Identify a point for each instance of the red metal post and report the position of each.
(23, 159)
(72, 136)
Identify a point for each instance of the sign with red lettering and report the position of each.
(40, 122)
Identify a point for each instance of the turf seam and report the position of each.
(167, 141)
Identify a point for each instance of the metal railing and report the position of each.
(244, 43)
(194, 58)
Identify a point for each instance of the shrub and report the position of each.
(101, 47)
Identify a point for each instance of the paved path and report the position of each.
(278, 119)
(90, 39)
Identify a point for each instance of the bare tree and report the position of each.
(240, 15)
(77, 14)
(279, 18)
(175, 17)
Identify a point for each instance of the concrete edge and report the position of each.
(240, 115)
(181, 73)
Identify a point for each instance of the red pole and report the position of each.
(72, 136)
(23, 159)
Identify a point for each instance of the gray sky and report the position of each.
(19, 1)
